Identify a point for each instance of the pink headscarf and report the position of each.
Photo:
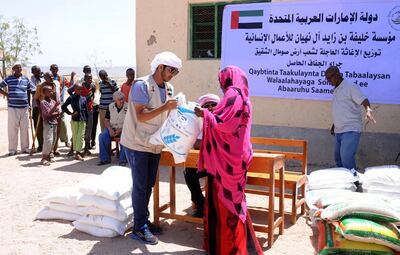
(226, 150)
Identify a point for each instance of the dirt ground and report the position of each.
(23, 184)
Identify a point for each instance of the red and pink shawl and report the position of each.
(226, 150)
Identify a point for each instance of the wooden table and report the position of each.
(262, 162)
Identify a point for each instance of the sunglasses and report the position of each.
(174, 71)
(208, 105)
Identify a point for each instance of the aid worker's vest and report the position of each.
(136, 134)
(117, 118)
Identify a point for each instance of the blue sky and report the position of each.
(71, 32)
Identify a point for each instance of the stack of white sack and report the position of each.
(325, 182)
(62, 204)
(100, 205)
(180, 131)
(383, 181)
(106, 202)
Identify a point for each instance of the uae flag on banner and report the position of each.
(247, 19)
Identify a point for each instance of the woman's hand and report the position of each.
(199, 112)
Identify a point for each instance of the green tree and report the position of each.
(18, 42)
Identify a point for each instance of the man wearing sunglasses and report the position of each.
(149, 103)
(192, 176)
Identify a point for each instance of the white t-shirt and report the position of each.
(346, 107)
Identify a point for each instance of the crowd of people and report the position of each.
(47, 97)
(137, 109)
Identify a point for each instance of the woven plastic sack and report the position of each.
(388, 175)
(179, 132)
(367, 231)
(378, 210)
(337, 197)
(332, 178)
(330, 242)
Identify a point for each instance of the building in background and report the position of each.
(192, 30)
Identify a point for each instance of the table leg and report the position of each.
(156, 198)
(282, 198)
(172, 196)
(271, 209)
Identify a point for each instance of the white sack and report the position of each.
(94, 231)
(312, 196)
(112, 184)
(179, 132)
(65, 208)
(344, 186)
(50, 214)
(123, 212)
(65, 195)
(331, 176)
(388, 175)
(99, 202)
(105, 222)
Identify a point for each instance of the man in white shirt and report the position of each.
(347, 117)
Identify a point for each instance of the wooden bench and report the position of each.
(262, 163)
(294, 180)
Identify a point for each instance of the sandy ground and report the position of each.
(23, 182)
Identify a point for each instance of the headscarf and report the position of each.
(208, 98)
(226, 150)
(165, 58)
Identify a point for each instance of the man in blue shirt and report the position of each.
(150, 100)
(20, 89)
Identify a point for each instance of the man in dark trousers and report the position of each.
(149, 102)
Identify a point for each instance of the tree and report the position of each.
(99, 61)
(18, 42)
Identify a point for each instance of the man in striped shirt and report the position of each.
(107, 89)
(20, 89)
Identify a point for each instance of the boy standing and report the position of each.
(78, 120)
(50, 112)
(88, 91)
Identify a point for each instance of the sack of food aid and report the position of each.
(180, 131)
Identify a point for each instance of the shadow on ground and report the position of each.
(176, 233)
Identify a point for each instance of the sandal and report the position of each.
(78, 157)
(56, 153)
(45, 162)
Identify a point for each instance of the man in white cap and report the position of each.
(20, 89)
(149, 102)
(210, 102)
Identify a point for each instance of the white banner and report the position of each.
(285, 48)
